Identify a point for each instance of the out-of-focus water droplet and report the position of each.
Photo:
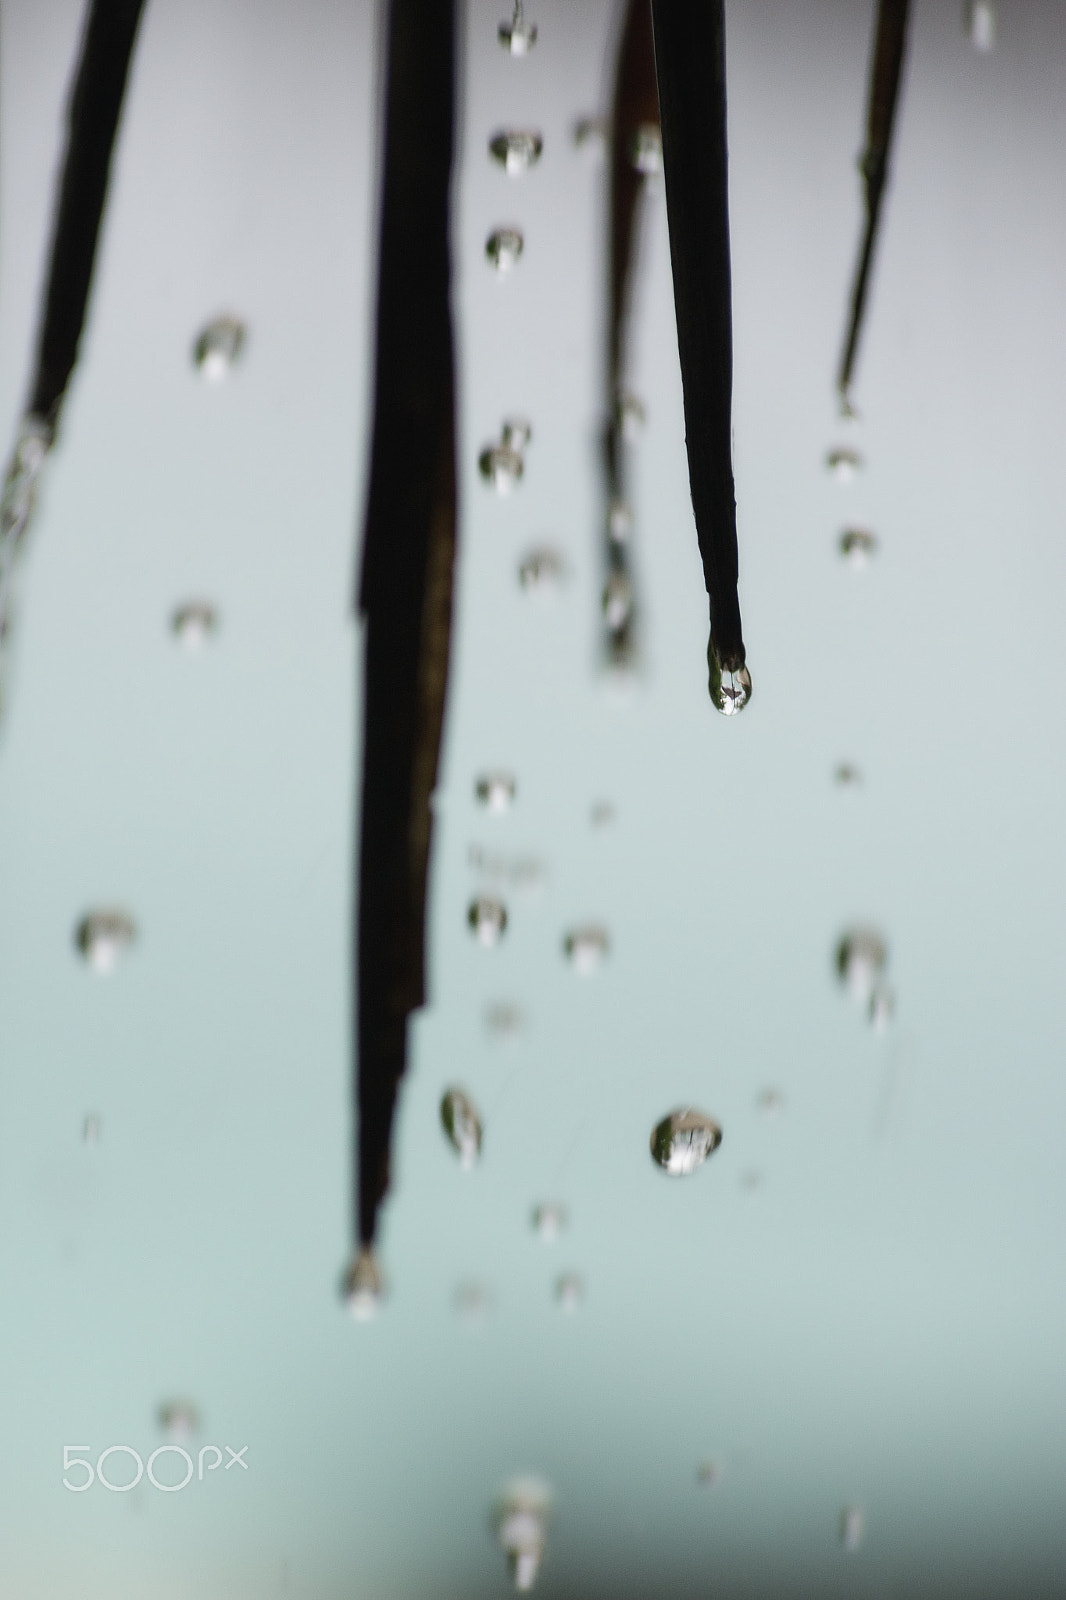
(504, 1019)
(516, 433)
(91, 1129)
(194, 623)
(646, 149)
(844, 463)
(516, 150)
(496, 790)
(518, 36)
(848, 775)
(858, 546)
(218, 348)
(751, 1180)
(587, 947)
(617, 600)
(860, 960)
(590, 134)
(770, 1101)
(708, 1474)
(472, 1303)
(603, 814)
(461, 1123)
(979, 17)
(549, 1220)
(619, 520)
(179, 1419)
(488, 919)
(364, 1288)
(852, 1528)
(32, 444)
(682, 1141)
(103, 937)
(521, 1525)
(569, 1291)
(542, 571)
(502, 467)
(882, 1007)
(730, 687)
(629, 414)
(503, 248)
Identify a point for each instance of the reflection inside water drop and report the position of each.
(730, 687)
(179, 1419)
(617, 600)
(980, 21)
(501, 466)
(541, 571)
(363, 1286)
(102, 937)
(516, 150)
(488, 919)
(503, 248)
(462, 1125)
(518, 36)
(619, 520)
(844, 463)
(682, 1141)
(586, 947)
(860, 961)
(549, 1220)
(495, 790)
(857, 546)
(569, 1291)
(646, 149)
(194, 623)
(629, 415)
(218, 348)
(521, 1523)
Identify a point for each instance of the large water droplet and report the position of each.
(502, 467)
(682, 1141)
(518, 36)
(852, 1528)
(646, 149)
(980, 20)
(542, 571)
(194, 623)
(521, 1522)
(569, 1291)
(860, 960)
(857, 546)
(461, 1123)
(503, 248)
(218, 348)
(103, 937)
(549, 1220)
(586, 947)
(179, 1419)
(516, 433)
(617, 600)
(364, 1289)
(516, 150)
(844, 463)
(496, 790)
(488, 919)
(730, 687)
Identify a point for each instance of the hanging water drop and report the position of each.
(770, 1101)
(504, 1019)
(179, 1419)
(516, 150)
(501, 466)
(586, 947)
(730, 687)
(103, 937)
(682, 1141)
(488, 920)
(521, 1524)
(603, 814)
(848, 775)
(462, 1125)
(619, 520)
(844, 463)
(708, 1474)
(860, 960)
(503, 249)
(495, 790)
(363, 1286)
(219, 347)
(194, 623)
(541, 571)
(472, 1304)
(617, 600)
(518, 36)
(590, 134)
(569, 1291)
(549, 1220)
(629, 415)
(857, 546)
(646, 149)
(882, 1007)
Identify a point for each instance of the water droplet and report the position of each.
(179, 1419)
(32, 443)
(518, 36)
(542, 571)
(629, 414)
(847, 775)
(495, 790)
(619, 520)
(857, 546)
(516, 433)
(90, 1129)
(770, 1101)
(882, 1007)
(488, 919)
(646, 149)
(980, 20)
(751, 1180)
(590, 134)
(194, 623)
(504, 1019)
(503, 248)
(364, 1289)
(103, 936)
(603, 814)
(569, 1291)
(860, 960)
(844, 463)
(502, 467)
(617, 600)
(218, 347)
(521, 1523)
(549, 1220)
(852, 1528)
(461, 1123)
(682, 1141)
(516, 150)
(586, 947)
(472, 1304)
(708, 1474)
(730, 687)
